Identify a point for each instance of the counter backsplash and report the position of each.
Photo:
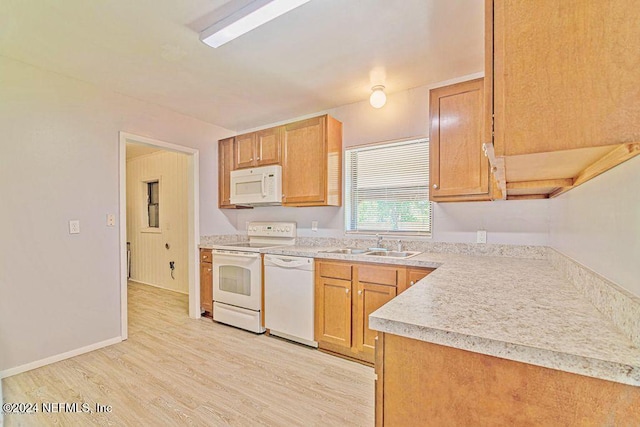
(616, 303)
(513, 251)
(222, 239)
(532, 252)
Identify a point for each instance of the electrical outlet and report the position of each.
(481, 236)
(111, 220)
(74, 226)
(314, 225)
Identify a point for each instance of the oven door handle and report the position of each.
(257, 255)
(264, 185)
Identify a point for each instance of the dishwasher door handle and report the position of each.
(286, 262)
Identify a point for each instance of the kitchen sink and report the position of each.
(393, 254)
(347, 251)
(373, 252)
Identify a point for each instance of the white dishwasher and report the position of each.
(289, 298)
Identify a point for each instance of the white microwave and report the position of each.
(257, 186)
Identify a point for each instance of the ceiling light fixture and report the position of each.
(378, 97)
(245, 19)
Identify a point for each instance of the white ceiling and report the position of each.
(318, 56)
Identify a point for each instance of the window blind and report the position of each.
(387, 188)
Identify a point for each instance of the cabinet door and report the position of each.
(458, 168)
(333, 312)
(225, 166)
(206, 287)
(565, 75)
(414, 275)
(304, 162)
(268, 146)
(244, 151)
(369, 298)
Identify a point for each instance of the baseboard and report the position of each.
(158, 286)
(58, 357)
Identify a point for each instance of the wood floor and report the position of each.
(178, 371)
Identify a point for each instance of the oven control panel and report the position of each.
(272, 229)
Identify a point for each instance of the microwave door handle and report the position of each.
(264, 186)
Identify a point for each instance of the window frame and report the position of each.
(144, 200)
(348, 209)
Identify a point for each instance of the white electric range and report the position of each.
(237, 274)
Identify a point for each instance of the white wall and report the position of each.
(406, 115)
(59, 161)
(598, 224)
(149, 256)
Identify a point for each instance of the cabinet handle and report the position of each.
(208, 269)
(359, 292)
(251, 159)
(435, 186)
(411, 283)
(258, 158)
(346, 291)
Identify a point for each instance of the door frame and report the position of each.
(193, 184)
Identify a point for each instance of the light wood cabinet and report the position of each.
(420, 383)
(458, 168)
(312, 162)
(342, 317)
(206, 282)
(333, 312)
(225, 166)
(562, 84)
(259, 148)
(369, 298)
(414, 275)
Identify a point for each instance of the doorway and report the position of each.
(154, 224)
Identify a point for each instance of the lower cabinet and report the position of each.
(424, 384)
(370, 297)
(206, 281)
(415, 274)
(333, 313)
(346, 293)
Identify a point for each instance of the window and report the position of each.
(153, 204)
(387, 188)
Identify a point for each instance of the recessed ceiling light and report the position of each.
(245, 19)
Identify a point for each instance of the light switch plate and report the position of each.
(111, 220)
(314, 225)
(481, 236)
(74, 226)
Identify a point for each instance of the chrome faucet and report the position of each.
(399, 249)
(378, 241)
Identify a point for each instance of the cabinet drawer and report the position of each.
(377, 274)
(205, 255)
(335, 270)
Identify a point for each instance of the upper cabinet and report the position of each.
(563, 87)
(259, 148)
(312, 162)
(458, 170)
(225, 166)
(310, 152)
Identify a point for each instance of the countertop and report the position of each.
(515, 308)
